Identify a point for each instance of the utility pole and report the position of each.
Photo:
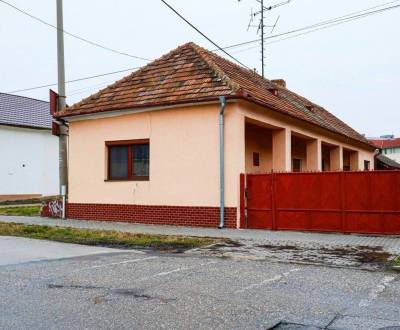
(262, 37)
(63, 138)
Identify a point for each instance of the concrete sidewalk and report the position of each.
(389, 243)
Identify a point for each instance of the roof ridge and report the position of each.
(215, 67)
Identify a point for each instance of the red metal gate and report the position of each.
(349, 202)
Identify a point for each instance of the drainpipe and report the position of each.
(221, 164)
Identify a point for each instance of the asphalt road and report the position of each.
(15, 250)
(125, 290)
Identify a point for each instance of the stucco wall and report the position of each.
(258, 139)
(184, 157)
(29, 162)
(184, 154)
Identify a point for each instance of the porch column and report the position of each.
(314, 155)
(337, 158)
(354, 161)
(282, 150)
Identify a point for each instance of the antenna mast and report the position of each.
(261, 26)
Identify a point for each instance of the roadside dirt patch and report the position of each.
(278, 247)
(366, 257)
(364, 254)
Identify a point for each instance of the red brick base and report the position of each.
(157, 215)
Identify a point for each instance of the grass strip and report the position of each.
(106, 238)
(20, 210)
(37, 200)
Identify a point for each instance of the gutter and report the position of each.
(26, 127)
(222, 163)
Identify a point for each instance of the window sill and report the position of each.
(139, 178)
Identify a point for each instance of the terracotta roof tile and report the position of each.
(192, 74)
(386, 143)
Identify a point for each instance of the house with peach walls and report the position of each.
(167, 143)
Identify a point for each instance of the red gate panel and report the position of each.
(354, 202)
(259, 201)
(303, 201)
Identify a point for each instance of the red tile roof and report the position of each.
(191, 74)
(385, 143)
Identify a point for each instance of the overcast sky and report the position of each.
(351, 69)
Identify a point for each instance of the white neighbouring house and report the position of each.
(28, 150)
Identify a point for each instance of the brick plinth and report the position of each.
(149, 214)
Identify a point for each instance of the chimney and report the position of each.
(279, 82)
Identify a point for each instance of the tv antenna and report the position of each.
(260, 25)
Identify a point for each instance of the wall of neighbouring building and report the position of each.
(29, 162)
(392, 153)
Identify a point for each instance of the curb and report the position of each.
(396, 268)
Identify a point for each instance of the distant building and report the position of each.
(29, 152)
(389, 146)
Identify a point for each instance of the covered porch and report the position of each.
(282, 149)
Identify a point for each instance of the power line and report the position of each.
(197, 30)
(341, 19)
(71, 81)
(88, 88)
(332, 22)
(74, 35)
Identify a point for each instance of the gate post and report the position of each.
(342, 211)
(273, 200)
(242, 201)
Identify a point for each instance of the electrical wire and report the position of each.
(88, 88)
(74, 35)
(317, 27)
(333, 21)
(304, 33)
(71, 81)
(197, 30)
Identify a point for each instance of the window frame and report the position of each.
(300, 162)
(367, 165)
(130, 144)
(256, 159)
